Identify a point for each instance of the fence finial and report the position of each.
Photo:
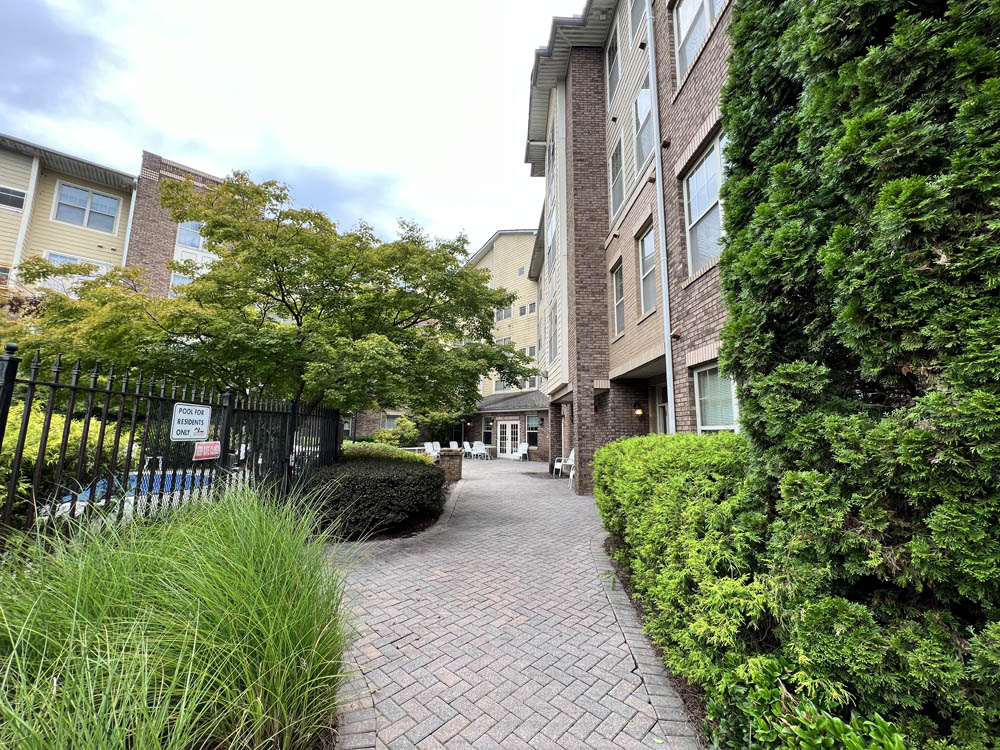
(10, 349)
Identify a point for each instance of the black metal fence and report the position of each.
(74, 444)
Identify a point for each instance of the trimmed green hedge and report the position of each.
(383, 450)
(363, 495)
(698, 546)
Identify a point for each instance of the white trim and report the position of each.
(618, 272)
(128, 229)
(635, 29)
(29, 209)
(24, 198)
(612, 34)
(86, 211)
(679, 40)
(638, 126)
(611, 178)
(715, 145)
(697, 403)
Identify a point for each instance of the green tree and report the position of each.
(861, 274)
(294, 307)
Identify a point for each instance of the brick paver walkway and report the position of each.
(503, 627)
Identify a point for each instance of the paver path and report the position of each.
(502, 627)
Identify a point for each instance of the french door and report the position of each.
(508, 437)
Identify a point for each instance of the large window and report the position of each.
(703, 212)
(531, 308)
(189, 234)
(488, 430)
(532, 430)
(11, 198)
(503, 342)
(86, 208)
(617, 183)
(65, 284)
(715, 396)
(505, 313)
(613, 69)
(692, 21)
(618, 285)
(647, 271)
(638, 10)
(662, 404)
(4, 276)
(390, 422)
(643, 120)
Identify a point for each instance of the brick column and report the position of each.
(554, 423)
(450, 460)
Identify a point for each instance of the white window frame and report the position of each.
(715, 145)
(644, 273)
(393, 417)
(528, 429)
(637, 126)
(201, 238)
(86, 211)
(702, 428)
(75, 279)
(492, 423)
(520, 271)
(24, 199)
(635, 25)
(532, 308)
(4, 276)
(662, 405)
(503, 341)
(553, 333)
(522, 311)
(618, 279)
(615, 64)
(617, 150)
(679, 40)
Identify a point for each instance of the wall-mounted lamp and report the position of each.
(637, 408)
(665, 143)
(541, 421)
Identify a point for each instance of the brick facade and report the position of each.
(541, 452)
(612, 372)
(154, 232)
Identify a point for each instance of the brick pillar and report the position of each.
(554, 422)
(450, 459)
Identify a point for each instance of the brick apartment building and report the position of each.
(624, 126)
(509, 416)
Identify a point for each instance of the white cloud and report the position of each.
(414, 110)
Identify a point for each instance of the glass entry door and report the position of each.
(508, 436)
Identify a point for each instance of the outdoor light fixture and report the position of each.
(541, 421)
(637, 408)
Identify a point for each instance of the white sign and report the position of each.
(190, 422)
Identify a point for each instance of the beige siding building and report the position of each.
(62, 208)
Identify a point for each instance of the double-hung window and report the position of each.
(522, 311)
(614, 71)
(703, 212)
(618, 286)
(390, 422)
(488, 430)
(11, 198)
(532, 430)
(692, 21)
(647, 271)
(4, 276)
(715, 396)
(638, 10)
(504, 341)
(86, 208)
(617, 182)
(65, 284)
(505, 313)
(531, 308)
(190, 247)
(643, 121)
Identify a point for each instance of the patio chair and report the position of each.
(479, 450)
(557, 468)
(466, 449)
(453, 445)
(429, 449)
(437, 447)
(522, 452)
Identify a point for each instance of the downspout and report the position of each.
(22, 231)
(661, 217)
(128, 229)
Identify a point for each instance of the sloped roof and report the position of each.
(514, 401)
(71, 165)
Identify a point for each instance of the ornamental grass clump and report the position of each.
(218, 627)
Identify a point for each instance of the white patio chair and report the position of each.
(479, 450)
(429, 449)
(557, 468)
(466, 449)
(453, 445)
(437, 447)
(522, 452)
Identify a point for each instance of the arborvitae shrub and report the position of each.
(862, 275)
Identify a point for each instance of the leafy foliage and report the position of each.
(861, 275)
(383, 450)
(404, 434)
(368, 493)
(291, 306)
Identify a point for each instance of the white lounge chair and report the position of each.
(557, 468)
(479, 450)
(437, 448)
(453, 445)
(466, 449)
(429, 449)
(522, 452)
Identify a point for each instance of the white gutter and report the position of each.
(22, 232)
(661, 217)
(128, 228)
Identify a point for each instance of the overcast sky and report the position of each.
(370, 110)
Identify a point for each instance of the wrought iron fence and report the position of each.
(74, 444)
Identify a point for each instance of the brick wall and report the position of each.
(154, 232)
(368, 422)
(689, 118)
(587, 220)
(474, 431)
(616, 410)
